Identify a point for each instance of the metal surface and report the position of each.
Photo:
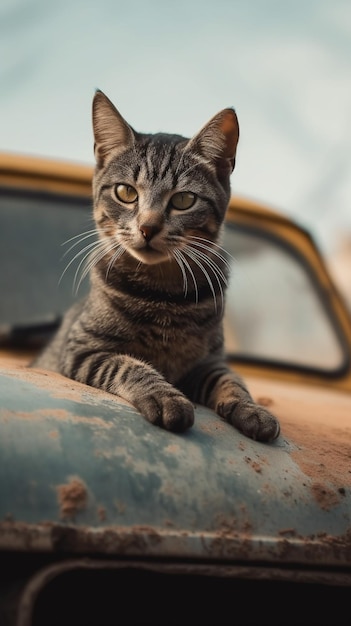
(82, 472)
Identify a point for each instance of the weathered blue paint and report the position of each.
(209, 493)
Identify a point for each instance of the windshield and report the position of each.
(274, 310)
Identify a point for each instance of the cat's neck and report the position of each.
(157, 283)
(129, 274)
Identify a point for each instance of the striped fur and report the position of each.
(150, 329)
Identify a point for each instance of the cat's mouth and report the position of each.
(149, 255)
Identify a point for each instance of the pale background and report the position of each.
(170, 65)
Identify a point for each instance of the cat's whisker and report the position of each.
(178, 258)
(220, 277)
(197, 259)
(208, 244)
(119, 251)
(192, 255)
(138, 267)
(188, 267)
(100, 247)
(212, 264)
(213, 248)
(86, 232)
(80, 238)
(93, 259)
(78, 254)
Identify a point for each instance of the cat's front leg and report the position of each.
(138, 383)
(213, 384)
(232, 401)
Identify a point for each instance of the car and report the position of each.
(107, 519)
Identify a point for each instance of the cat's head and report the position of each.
(156, 194)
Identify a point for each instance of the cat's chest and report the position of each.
(170, 343)
(166, 333)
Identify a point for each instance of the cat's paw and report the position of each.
(172, 412)
(253, 420)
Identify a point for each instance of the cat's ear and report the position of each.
(217, 141)
(112, 134)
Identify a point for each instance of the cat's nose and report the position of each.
(148, 231)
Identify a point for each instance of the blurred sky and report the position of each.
(171, 65)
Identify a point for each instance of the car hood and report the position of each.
(82, 471)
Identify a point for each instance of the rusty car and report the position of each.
(106, 519)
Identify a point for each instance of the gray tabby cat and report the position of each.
(150, 329)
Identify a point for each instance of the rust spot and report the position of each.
(72, 497)
(325, 497)
(257, 463)
(267, 488)
(232, 537)
(136, 539)
(254, 464)
(264, 401)
(232, 526)
(213, 427)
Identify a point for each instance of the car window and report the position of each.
(274, 309)
(33, 229)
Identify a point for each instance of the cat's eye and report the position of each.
(126, 193)
(183, 200)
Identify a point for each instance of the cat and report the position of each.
(150, 328)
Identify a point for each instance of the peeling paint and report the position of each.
(72, 497)
(40, 415)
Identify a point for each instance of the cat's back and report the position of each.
(51, 356)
